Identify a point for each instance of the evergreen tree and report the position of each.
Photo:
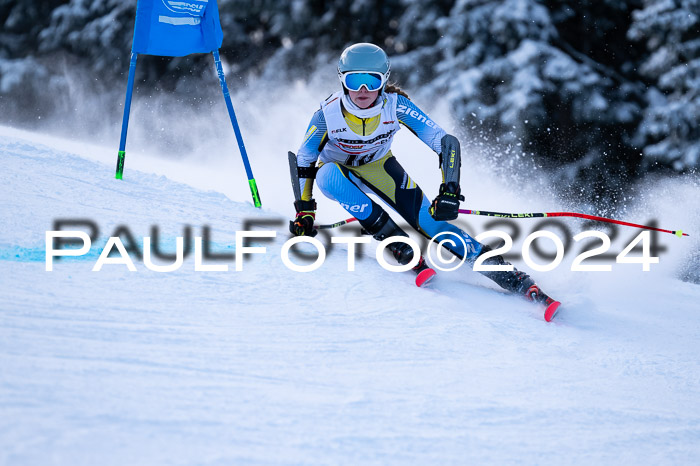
(670, 134)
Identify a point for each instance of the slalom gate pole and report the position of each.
(125, 120)
(678, 233)
(236, 129)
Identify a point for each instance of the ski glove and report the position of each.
(446, 204)
(303, 224)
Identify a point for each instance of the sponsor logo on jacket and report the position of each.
(421, 117)
(386, 135)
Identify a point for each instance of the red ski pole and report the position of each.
(678, 233)
(336, 224)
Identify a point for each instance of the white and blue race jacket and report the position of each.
(330, 137)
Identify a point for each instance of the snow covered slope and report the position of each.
(267, 365)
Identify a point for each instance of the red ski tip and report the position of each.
(424, 276)
(551, 311)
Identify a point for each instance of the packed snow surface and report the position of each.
(272, 366)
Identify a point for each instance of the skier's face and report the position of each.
(363, 98)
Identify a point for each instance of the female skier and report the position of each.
(352, 133)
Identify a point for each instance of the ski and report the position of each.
(423, 272)
(551, 306)
(551, 309)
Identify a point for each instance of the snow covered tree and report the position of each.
(22, 75)
(96, 30)
(514, 81)
(670, 134)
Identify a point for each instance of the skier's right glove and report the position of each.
(446, 204)
(303, 224)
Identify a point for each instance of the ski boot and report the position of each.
(384, 227)
(551, 307)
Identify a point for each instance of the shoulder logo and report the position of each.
(341, 130)
(390, 122)
(309, 133)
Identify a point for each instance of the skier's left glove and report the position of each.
(446, 204)
(303, 224)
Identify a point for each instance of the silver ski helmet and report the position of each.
(363, 65)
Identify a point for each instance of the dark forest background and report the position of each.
(599, 92)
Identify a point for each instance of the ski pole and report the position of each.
(335, 225)
(678, 233)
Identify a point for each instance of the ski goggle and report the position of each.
(354, 80)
